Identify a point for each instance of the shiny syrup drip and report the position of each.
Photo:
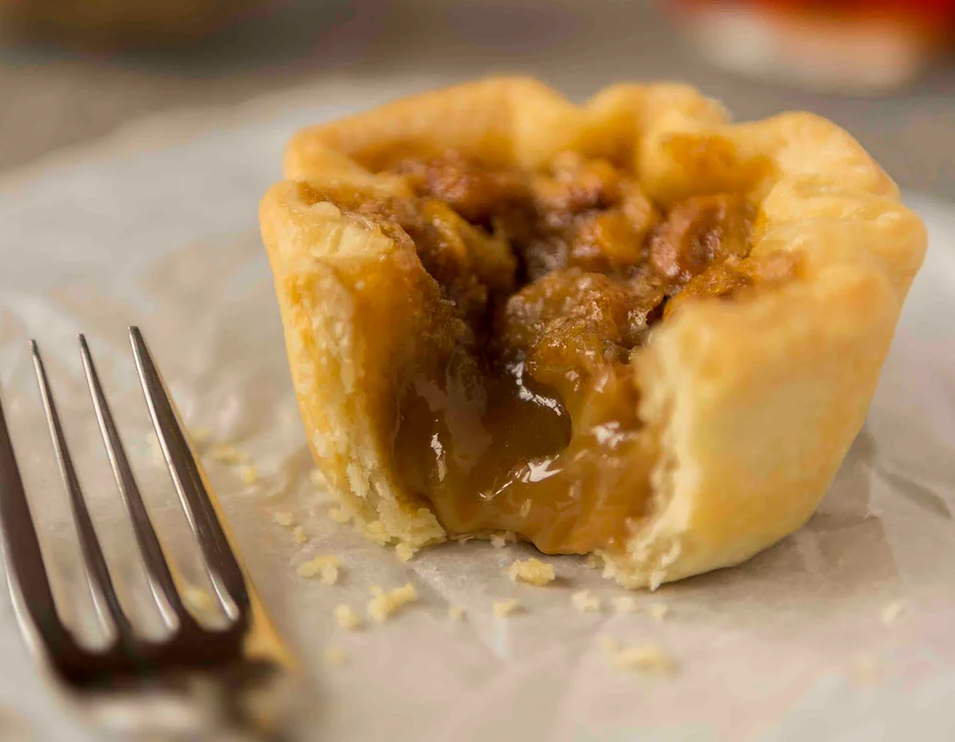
(505, 455)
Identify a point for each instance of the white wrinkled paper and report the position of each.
(845, 630)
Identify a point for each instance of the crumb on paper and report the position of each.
(335, 655)
(347, 617)
(338, 515)
(532, 571)
(456, 614)
(504, 608)
(646, 657)
(462, 540)
(329, 574)
(298, 533)
(592, 561)
(498, 540)
(197, 598)
(658, 611)
(317, 479)
(325, 567)
(585, 601)
(891, 612)
(283, 518)
(248, 474)
(384, 603)
(626, 604)
(405, 552)
(200, 436)
(375, 531)
(226, 454)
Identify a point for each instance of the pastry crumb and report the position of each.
(405, 551)
(626, 604)
(226, 454)
(462, 540)
(504, 608)
(384, 603)
(891, 612)
(592, 561)
(375, 531)
(325, 567)
(347, 617)
(586, 602)
(658, 611)
(456, 614)
(298, 533)
(532, 571)
(647, 657)
(248, 474)
(335, 655)
(338, 515)
(197, 598)
(283, 518)
(498, 540)
(328, 574)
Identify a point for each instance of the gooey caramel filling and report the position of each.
(523, 415)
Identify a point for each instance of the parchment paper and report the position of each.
(845, 630)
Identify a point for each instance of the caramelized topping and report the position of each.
(700, 232)
(524, 416)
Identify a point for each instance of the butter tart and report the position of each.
(628, 328)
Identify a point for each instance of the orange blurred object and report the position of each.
(854, 45)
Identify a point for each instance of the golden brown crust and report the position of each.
(754, 402)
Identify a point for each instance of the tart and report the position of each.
(628, 328)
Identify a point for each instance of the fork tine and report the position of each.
(146, 537)
(21, 548)
(186, 476)
(89, 542)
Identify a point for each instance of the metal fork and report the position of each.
(230, 676)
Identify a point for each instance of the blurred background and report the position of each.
(73, 70)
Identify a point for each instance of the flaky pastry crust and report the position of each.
(753, 403)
